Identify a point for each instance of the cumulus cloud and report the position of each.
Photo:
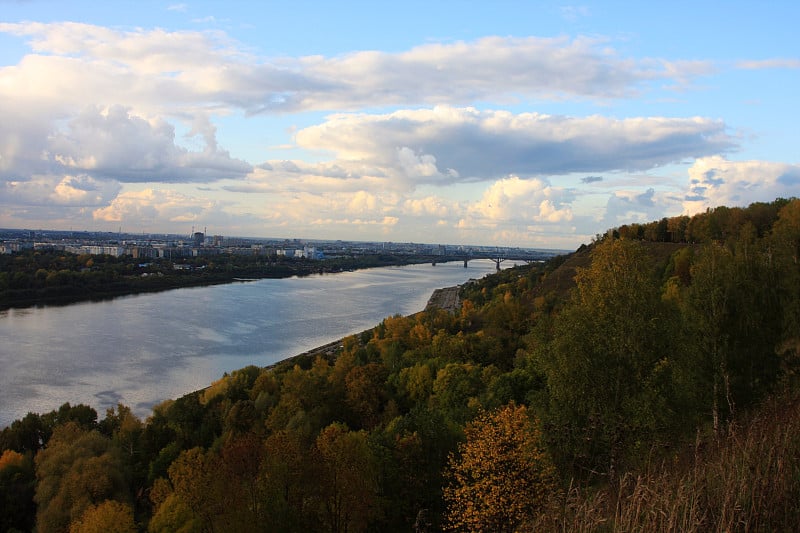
(114, 143)
(111, 143)
(516, 201)
(447, 144)
(715, 181)
(92, 112)
(156, 206)
(76, 190)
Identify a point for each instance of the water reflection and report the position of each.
(143, 349)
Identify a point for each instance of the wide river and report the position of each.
(143, 349)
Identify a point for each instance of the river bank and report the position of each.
(446, 298)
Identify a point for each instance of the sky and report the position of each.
(524, 123)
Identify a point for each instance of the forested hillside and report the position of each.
(646, 382)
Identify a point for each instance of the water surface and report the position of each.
(140, 350)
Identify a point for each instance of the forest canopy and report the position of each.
(646, 381)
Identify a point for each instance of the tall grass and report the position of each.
(748, 480)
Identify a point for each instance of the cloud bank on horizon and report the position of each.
(523, 140)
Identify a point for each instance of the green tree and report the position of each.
(785, 243)
(608, 361)
(456, 390)
(734, 315)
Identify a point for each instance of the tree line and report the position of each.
(545, 402)
(38, 277)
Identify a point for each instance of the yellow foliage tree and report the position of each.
(109, 516)
(11, 458)
(501, 477)
(348, 479)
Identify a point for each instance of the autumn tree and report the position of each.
(286, 477)
(197, 484)
(78, 469)
(366, 393)
(17, 482)
(109, 516)
(501, 476)
(347, 480)
(170, 513)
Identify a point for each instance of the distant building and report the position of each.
(199, 238)
(115, 251)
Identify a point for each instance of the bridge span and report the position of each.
(500, 255)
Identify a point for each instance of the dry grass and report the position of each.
(747, 481)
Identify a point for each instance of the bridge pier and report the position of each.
(465, 263)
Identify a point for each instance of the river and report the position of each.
(143, 349)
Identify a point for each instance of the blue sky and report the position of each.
(533, 124)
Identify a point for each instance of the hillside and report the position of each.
(561, 280)
(646, 382)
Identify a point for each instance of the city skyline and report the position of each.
(504, 123)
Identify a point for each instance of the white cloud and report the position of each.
(715, 181)
(514, 201)
(635, 205)
(446, 144)
(76, 190)
(90, 112)
(153, 207)
(113, 143)
(190, 70)
(775, 63)
(83, 190)
(573, 13)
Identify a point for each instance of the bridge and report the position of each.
(499, 255)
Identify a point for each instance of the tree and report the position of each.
(456, 389)
(785, 241)
(286, 478)
(17, 483)
(502, 476)
(366, 393)
(347, 479)
(608, 360)
(170, 513)
(734, 316)
(78, 468)
(107, 517)
(197, 485)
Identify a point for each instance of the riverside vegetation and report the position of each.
(37, 277)
(646, 382)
